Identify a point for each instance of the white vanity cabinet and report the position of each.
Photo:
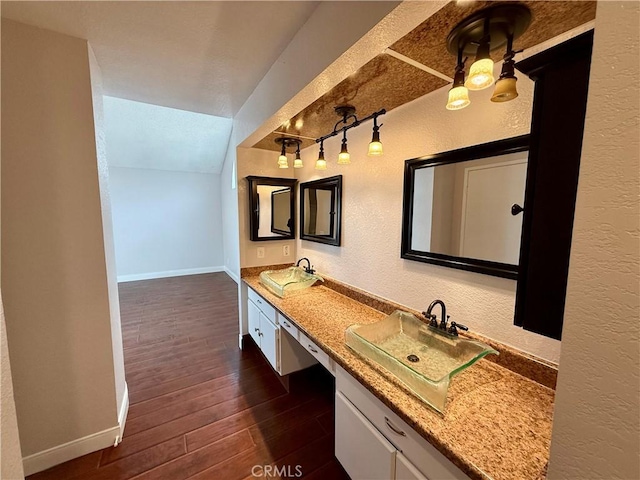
(365, 421)
(264, 332)
(279, 345)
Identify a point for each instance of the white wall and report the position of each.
(369, 257)
(54, 266)
(165, 223)
(596, 423)
(122, 395)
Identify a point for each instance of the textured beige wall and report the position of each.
(10, 457)
(54, 277)
(252, 161)
(369, 257)
(596, 425)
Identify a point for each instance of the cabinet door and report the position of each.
(269, 341)
(405, 470)
(361, 449)
(253, 321)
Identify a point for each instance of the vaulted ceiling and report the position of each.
(200, 56)
(387, 82)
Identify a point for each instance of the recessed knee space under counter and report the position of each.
(497, 422)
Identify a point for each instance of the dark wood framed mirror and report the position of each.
(321, 210)
(271, 208)
(462, 208)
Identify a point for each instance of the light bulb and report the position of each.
(458, 98)
(480, 75)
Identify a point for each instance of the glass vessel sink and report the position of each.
(284, 283)
(423, 358)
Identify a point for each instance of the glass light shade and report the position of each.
(282, 160)
(375, 149)
(344, 158)
(505, 90)
(480, 75)
(458, 98)
(321, 164)
(297, 163)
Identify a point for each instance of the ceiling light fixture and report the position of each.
(478, 35)
(283, 161)
(348, 121)
(458, 94)
(321, 163)
(297, 163)
(506, 85)
(375, 146)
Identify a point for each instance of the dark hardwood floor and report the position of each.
(201, 408)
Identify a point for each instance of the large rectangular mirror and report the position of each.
(321, 210)
(462, 208)
(271, 208)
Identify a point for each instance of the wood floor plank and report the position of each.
(195, 462)
(199, 406)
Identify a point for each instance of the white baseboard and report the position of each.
(122, 416)
(76, 448)
(233, 276)
(169, 273)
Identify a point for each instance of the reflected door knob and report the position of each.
(516, 209)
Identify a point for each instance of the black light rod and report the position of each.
(354, 124)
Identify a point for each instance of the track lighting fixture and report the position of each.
(349, 120)
(478, 35)
(283, 161)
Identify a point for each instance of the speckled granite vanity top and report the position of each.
(497, 423)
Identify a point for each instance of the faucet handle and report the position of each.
(443, 322)
(310, 270)
(453, 329)
(432, 319)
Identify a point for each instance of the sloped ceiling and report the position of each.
(386, 82)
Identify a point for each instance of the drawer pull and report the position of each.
(256, 330)
(313, 349)
(259, 301)
(286, 324)
(394, 429)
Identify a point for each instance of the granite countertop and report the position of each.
(497, 424)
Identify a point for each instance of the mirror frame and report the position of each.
(485, 150)
(273, 226)
(254, 206)
(330, 183)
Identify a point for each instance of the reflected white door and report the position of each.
(489, 231)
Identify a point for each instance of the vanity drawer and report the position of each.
(285, 323)
(267, 309)
(419, 451)
(317, 352)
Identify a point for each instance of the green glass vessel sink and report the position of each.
(423, 358)
(284, 283)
